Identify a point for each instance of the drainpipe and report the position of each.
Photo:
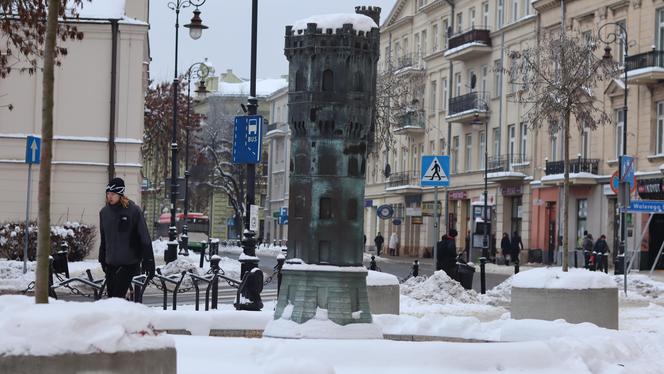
(450, 86)
(111, 125)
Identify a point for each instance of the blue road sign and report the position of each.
(627, 169)
(645, 206)
(283, 216)
(32, 149)
(247, 139)
(435, 171)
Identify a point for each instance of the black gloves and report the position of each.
(148, 267)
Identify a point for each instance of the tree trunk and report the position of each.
(44, 194)
(566, 193)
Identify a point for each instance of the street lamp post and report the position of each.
(196, 28)
(485, 217)
(201, 71)
(623, 187)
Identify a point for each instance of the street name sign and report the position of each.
(247, 139)
(435, 171)
(645, 206)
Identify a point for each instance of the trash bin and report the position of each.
(619, 265)
(464, 275)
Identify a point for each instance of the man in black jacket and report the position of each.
(125, 241)
(446, 254)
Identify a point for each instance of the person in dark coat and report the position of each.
(125, 241)
(516, 247)
(505, 247)
(378, 241)
(601, 251)
(446, 254)
(587, 246)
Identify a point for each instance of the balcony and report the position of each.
(508, 168)
(410, 123)
(582, 171)
(468, 44)
(466, 108)
(645, 68)
(404, 181)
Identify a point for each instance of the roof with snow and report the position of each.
(335, 21)
(264, 87)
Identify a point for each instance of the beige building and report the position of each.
(98, 117)
(450, 42)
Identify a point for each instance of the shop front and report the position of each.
(653, 239)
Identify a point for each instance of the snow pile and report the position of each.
(501, 294)
(159, 247)
(181, 264)
(640, 286)
(335, 21)
(61, 327)
(555, 277)
(376, 278)
(438, 288)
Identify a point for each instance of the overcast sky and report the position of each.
(227, 41)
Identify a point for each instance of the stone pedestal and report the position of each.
(341, 291)
(594, 305)
(384, 299)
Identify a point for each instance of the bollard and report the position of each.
(372, 264)
(482, 275)
(605, 262)
(416, 268)
(280, 264)
(576, 262)
(202, 259)
(516, 266)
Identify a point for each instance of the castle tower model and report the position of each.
(332, 88)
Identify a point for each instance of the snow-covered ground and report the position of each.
(12, 278)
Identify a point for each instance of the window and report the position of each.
(660, 128)
(469, 152)
(398, 53)
(485, 15)
(482, 149)
(432, 103)
(620, 122)
(434, 38)
(455, 154)
(524, 141)
(421, 3)
(443, 83)
(515, 10)
(459, 22)
(585, 142)
(554, 147)
(325, 206)
(328, 80)
(660, 29)
(496, 142)
(483, 80)
(469, 76)
(497, 78)
(457, 83)
(511, 143)
(500, 13)
(432, 146)
(404, 158)
(441, 145)
(472, 17)
(299, 81)
(417, 46)
(525, 4)
(424, 43)
(621, 41)
(581, 217)
(406, 50)
(446, 24)
(415, 164)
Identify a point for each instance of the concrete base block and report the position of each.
(157, 361)
(384, 299)
(597, 305)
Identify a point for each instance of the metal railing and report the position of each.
(578, 165)
(475, 34)
(506, 162)
(403, 178)
(653, 58)
(471, 101)
(412, 119)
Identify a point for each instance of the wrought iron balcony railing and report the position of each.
(506, 162)
(476, 100)
(577, 165)
(653, 58)
(411, 120)
(477, 35)
(402, 179)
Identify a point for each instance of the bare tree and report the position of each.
(557, 79)
(399, 89)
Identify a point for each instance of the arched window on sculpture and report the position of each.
(328, 80)
(299, 81)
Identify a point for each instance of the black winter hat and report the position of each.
(116, 185)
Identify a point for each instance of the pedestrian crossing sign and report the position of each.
(435, 171)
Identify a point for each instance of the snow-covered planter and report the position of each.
(108, 336)
(79, 238)
(576, 296)
(383, 293)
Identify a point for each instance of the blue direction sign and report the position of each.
(247, 139)
(435, 171)
(283, 215)
(645, 206)
(32, 149)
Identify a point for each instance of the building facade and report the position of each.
(98, 117)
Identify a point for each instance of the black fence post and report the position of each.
(482, 275)
(202, 259)
(516, 266)
(416, 268)
(576, 261)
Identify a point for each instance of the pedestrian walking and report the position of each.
(587, 246)
(517, 246)
(125, 242)
(505, 248)
(446, 254)
(601, 250)
(378, 241)
(393, 244)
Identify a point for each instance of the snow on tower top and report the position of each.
(360, 22)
